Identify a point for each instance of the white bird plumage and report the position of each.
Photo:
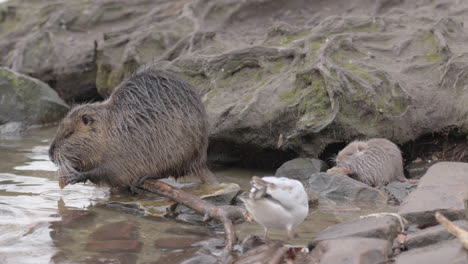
(277, 202)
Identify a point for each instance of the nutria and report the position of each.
(375, 162)
(153, 125)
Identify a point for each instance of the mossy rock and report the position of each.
(28, 100)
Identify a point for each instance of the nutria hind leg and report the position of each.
(226, 214)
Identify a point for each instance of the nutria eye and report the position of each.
(87, 120)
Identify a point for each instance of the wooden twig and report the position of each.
(458, 232)
(225, 214)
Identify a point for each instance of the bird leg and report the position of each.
(226, 214)
(265, 236)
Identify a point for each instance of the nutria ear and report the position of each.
(361, 146)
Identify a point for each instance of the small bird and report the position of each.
(277, 202)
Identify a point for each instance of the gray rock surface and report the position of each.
(446, 252)
(301, 168)
(352, 250)
(309, 74)
(385, 228)
(443, 189)
(340, 187)
(398, 191)
(27, 100)
(432, 235)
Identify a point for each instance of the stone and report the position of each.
(262, 254)
(341, 187)
(28, 100)
(450, 251)
(116, 246)
(441, 189)
(417, 169)
(386, 228)
(398, 191)
(154, 205)
(116, 231)
(314, 75)
(301, 168)
(432, 235)
(352, 250)
(12, 128)
(466, 207)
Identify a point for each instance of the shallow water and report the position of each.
(40, 223)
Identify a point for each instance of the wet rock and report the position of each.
(301, 168)
(385, 228)
(114, 246)
(466, 207)
(340, 187)
(27, 100)
(12, 128)
(442, 189)
(398, 191)
(352, 250)
(112, 259)
(177, 242)
(432, 235)
(115, 231)
(446, 252)
(272, 253)
(222, 194)
(417, 169)
(151, 204)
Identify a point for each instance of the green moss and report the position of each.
(311, 97)
(316, 45)
(432, 54)
(286, 40)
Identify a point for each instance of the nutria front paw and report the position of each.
(76, 177)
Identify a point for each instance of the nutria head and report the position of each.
(354, 148)
(79, 141)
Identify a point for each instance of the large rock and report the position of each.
(27, 100)
(301, 168)
(340, 187)
(385, 228)
(289, 71)
(442, 189)
(447, 252)
(432, 235)
(352, 250)
(398, 191)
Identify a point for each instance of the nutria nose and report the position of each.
(51, 151)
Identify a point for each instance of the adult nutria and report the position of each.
(153, 125)
(375, 162)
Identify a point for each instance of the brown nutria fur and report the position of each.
(375, 162)
(153, 125)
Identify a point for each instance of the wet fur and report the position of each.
(375, 162)
(153, 125)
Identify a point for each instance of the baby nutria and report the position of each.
(375, 162)
(153, 125)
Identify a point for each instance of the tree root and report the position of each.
(226, 214)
